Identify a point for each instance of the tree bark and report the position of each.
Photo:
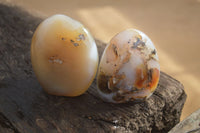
(26, 108)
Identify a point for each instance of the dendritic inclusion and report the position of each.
(129, 68)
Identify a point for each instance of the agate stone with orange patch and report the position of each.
(129, 69)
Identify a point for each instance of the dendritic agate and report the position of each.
(64, 56)
(129, 68)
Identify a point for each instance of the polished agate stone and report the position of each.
(64, 56)
(129, 69)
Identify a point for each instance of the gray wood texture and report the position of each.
(189, 125)
(26, 108)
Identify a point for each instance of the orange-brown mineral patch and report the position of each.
(141, 78)
(155, 74)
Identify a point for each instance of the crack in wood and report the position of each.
(5, 123)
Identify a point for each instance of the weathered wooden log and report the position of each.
(26, 108)
(189, 125)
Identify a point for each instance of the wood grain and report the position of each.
(26, 108)
(189, 125)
